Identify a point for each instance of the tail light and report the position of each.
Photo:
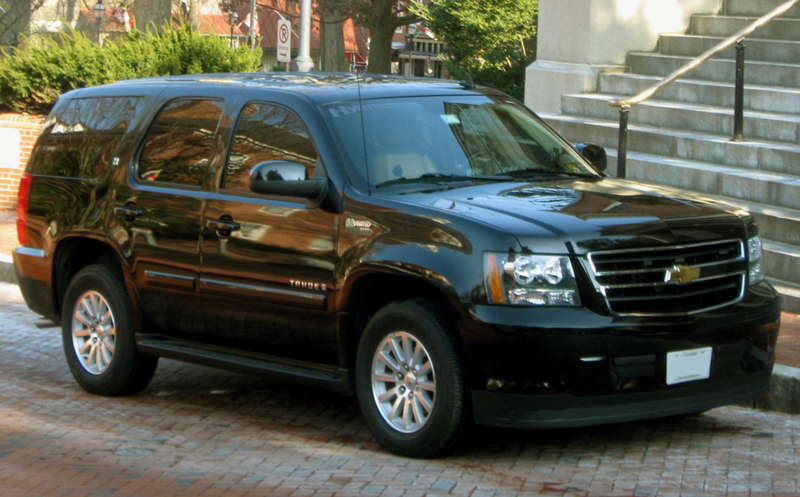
(22, 209)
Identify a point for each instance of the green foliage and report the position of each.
(490, 39)
(31, 80)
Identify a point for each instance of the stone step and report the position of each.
(712, 179)
(721, 94)
(687, 117)
(777, 224)
(756, 49)
(790, 295)
(724, 70)
(782, 261)
(781, 158)
(757, 8)
(779, 29)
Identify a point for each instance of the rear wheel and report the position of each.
(410, 382)
(98, 335)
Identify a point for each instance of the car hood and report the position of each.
(579, 216)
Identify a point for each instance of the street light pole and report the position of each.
(99, 11)
(253, 25)
(232, 18)
(412, 31)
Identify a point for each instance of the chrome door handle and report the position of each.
(127, 212)
(223, 226)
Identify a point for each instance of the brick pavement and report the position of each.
(199, 431)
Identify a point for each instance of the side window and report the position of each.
(80, 141)
(180, 142)
(267, 132)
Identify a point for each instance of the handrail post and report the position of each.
(738, 109)
(622, 149)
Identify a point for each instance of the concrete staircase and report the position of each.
(681, 137)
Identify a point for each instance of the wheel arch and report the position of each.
(371, 288)
(74, 253)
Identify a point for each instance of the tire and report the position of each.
(410, 381)
(98, 335)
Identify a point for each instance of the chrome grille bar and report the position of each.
(693, 278)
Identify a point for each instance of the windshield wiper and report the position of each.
(425, 178)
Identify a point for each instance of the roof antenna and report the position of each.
(467, 83)
(363, 131)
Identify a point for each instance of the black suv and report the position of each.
(430, 246)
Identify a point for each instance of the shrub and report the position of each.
(31, 80)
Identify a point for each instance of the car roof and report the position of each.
(319, 87)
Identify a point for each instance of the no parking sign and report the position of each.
(284, 41)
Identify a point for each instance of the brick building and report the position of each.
(17, 136)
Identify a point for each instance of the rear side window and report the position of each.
(267, 132)
(180, 143)
(80, 141)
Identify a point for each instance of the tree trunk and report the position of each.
(15, 20)
(332, 37)
(380, 49)
(152, 14)
(195, 11)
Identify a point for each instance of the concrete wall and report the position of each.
(18, 133)
(578, 39)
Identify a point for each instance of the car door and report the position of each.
(268, 261)
(160, 209)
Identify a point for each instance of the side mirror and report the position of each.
(595, 154)
(288, 179)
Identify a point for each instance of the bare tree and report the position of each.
(191, 10)
(15, 15)
(331, 30)
(152, 14)
(382, 18)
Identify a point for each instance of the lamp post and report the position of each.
(99, 11)
(228, 7)
(232, 18)
(412, 31)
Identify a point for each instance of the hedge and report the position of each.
(31, 80)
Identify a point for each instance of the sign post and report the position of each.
(284, 41)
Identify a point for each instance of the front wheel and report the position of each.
(98, 335)
(410, 382)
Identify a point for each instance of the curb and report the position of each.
(783, 396)
(784, 391)
(7, 273)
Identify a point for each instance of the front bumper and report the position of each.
(563, 410)
(562, 367)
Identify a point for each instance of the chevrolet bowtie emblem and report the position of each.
(681, 274)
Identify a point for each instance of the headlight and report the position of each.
(530, 280)
(755, 255)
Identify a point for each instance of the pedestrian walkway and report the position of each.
(197, 431)
(787, 351)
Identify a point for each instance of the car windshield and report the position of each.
(419, 140)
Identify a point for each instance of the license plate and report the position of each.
(688, 365)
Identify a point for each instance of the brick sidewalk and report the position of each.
(197, 431)
(787, 353)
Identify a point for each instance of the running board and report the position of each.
(311, 374)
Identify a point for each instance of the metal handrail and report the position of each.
(626, 103)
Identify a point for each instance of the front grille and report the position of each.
(675, 280)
